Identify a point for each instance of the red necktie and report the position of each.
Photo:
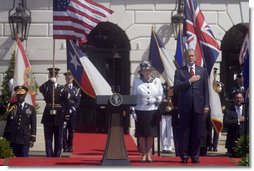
(191, 71)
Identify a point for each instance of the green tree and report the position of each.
(9, 73)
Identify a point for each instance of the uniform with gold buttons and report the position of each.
(20, 129)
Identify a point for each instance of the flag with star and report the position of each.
(75, 19)
(89, 79)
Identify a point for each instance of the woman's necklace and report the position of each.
(149, 80)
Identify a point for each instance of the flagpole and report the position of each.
(67, 57)
(181, 42)
(15, 60)
(53, 75)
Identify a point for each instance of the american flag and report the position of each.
(201, 39)
(74, 19)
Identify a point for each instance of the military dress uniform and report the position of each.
(166, 124)
(20, 129)
(53, 122)
(71, 105)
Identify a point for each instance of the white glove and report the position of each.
(134, 116)
(64, 124)
(152, 100)
(53, 79)
(157, 102)
(133, 113)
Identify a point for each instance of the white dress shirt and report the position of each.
(238, 110)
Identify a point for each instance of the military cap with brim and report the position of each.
(51, 71)
(20, 89)
(67, 73)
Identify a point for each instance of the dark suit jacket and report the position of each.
(195, 93)
(230, 121)
(60, 98)
(21, 128)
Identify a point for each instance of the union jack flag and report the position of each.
(199, 36)
(201, 39)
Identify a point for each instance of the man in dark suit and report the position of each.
(71, 106)
(192, 88)
(234, 120)
(53, 115)
(20, 129)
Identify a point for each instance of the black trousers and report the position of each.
(190, 135)
(50, 132)
(176, 134)
(20, 150)
(68, 132)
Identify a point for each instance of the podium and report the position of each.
(115, 153)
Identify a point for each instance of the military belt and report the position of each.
(55, 105)
(71, 101)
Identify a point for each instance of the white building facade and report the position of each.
(134, 17)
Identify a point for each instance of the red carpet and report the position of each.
(88, 151)
(2, 162)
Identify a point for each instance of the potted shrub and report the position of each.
(242, 150)
(5, 149)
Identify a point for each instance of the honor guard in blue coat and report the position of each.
(71, 105)
(20, 129)
(53, 115)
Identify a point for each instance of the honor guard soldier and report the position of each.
(166, 120)
(71, 105)
(20, 129)
(53, 115)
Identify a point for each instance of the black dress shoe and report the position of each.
(149, 161)
(215, 149)
(164, 151)
(143, 161)
(169, 152)
(184, 161)
(195, 161)
(65, 150)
